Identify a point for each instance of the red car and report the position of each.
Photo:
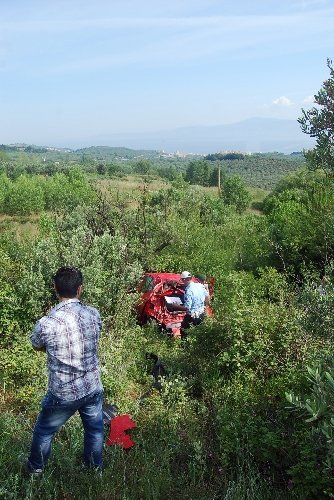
(158, 290)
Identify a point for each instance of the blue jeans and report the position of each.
(54, 413)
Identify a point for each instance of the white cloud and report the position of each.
(283, 101)
(308, 100)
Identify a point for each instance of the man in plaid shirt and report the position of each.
(69, 335)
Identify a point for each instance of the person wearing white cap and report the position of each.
(196, 298)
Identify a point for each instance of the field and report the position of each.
(246, 410)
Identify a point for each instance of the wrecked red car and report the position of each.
(158, 291)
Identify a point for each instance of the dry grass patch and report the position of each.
(22, 227)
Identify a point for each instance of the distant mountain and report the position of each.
(252, 135)
(31, 148)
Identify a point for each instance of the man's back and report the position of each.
(195, 295)
(69, 334)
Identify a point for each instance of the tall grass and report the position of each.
(172, 456)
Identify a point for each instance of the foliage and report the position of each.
(317, 406)
(234, 193)
(24, 196)
(4, 186)
(142, 167)
(317, 300)
(199, 172)
(300, 213)
(66, 191)
(318, 122)
(181, 226)
(233, 189)
(226, 156)
(219, 427)
(251, 353)
(32, 194)
(258, 170)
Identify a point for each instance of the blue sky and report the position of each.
(76, 69)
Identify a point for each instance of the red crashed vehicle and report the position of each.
(157, 291)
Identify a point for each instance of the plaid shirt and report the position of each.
(69, 334)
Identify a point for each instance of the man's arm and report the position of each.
(36, 338)
(188, 297)
(178, 307)
(207, 297)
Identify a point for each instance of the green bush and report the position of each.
(300, 214)
(234, 193)
(24, 196)
(65, 191)
(317, 410)
(219, 427)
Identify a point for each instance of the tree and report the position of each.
(234, 192)
(222, 156)
(24, 196)
(3, 155)
(66, 191)
(318, 122)
(142, 167)
(4, 187)
(101, 169)
(112, 169)
(198, 172)
(300, 212)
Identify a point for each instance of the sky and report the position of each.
(74, 70)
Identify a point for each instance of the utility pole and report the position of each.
(219, 190)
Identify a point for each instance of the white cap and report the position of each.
(185, 275)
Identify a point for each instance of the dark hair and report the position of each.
(200, 277)
(67, 281)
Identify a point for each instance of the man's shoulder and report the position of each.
(60, 311)
(45, 319)
(192, 288)
(194, 285)
(198, 288)
(91, 310)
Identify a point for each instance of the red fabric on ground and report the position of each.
(117, 435)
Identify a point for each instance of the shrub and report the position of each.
(24, 196)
